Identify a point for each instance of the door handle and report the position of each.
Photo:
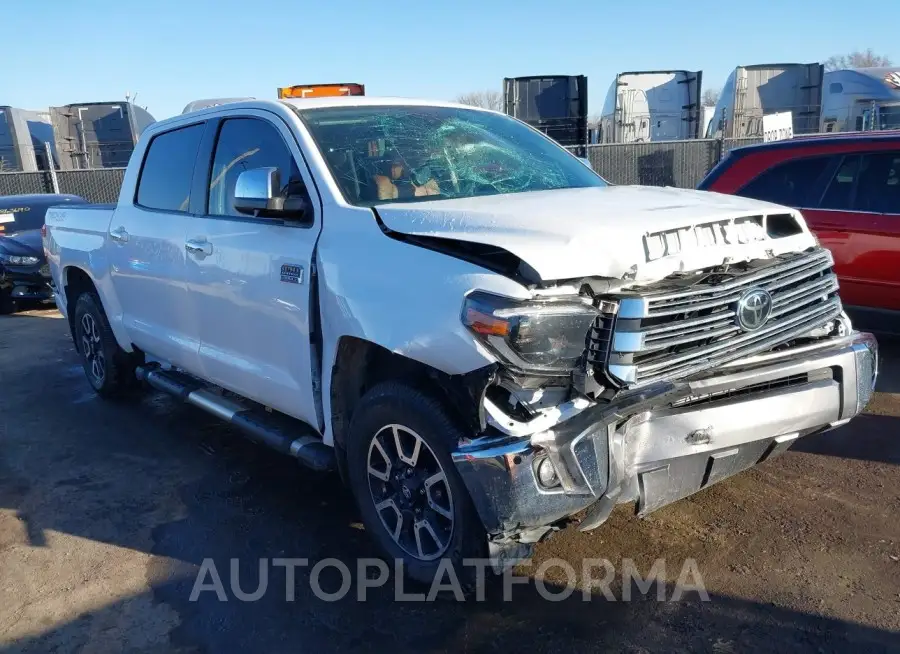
(196, 246)
(119, 235)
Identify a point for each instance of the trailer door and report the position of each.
(691, 111)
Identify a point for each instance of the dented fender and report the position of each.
(403, 298)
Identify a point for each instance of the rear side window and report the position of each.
(787, 183)
(165, 182)
(878, 189)
(839, 193)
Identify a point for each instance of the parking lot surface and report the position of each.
(108, 510)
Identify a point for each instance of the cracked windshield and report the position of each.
(408, 154)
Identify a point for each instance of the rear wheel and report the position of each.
(411, 497)
(109, 369)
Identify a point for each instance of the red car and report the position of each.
(848, 188)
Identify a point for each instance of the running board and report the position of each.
(308, 449)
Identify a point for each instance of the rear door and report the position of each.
(147, 254)
(249, 278)
(858, 218)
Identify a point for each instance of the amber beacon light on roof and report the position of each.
(320, 90)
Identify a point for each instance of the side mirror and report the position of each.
(258, 193)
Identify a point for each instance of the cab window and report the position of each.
(165, 180)
(787, 183)
(245, 144)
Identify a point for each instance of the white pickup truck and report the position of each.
(482, 335)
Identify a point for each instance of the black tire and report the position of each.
(7, 304)
(109, 369)
(393, 403)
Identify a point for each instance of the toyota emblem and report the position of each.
(753, 309)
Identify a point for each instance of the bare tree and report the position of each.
(710, 97)
(484, 99)
(857, 59)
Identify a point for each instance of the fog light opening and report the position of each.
(546, 473)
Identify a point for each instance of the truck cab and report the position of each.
(861, 100)
(480, 334)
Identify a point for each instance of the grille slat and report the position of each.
(688, 324)
(686, 332)
(690, 338)
(800, 275)
(820, 256)
(738, 353)
(671, 309)
(750, 337)
(824, 285)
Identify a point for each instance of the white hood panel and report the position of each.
(636, 233)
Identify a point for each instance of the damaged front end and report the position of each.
(610, 393)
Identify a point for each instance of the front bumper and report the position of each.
(664, 442)
(26, 282)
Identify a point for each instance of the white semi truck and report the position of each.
(754, 91)
(661, 105)
(861, 100)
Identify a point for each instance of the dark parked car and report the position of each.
(24, 274)
(848, 187)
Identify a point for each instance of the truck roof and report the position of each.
(335, 101)
(878, 73)
(315, 103)
(367, 101)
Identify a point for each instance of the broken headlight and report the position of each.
(534, 337)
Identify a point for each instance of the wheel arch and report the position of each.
(75, 281)
(360, 365)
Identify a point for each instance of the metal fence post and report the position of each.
(53, 179)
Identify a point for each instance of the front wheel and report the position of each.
(410, 495)
(108, 368)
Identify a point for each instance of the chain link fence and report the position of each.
(22, 183)
(663, 163)
(100, 185)
(666, 163)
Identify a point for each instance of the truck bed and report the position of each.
(80, 217)
(77, 236)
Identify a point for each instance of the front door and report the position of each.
(249, 278)
(145, 245)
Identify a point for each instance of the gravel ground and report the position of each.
(107, 512)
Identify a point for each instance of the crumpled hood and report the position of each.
(637, 233)
(22, 244)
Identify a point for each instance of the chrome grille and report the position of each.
(688, 323)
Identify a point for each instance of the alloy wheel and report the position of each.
(92, 348)
(411, 492)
